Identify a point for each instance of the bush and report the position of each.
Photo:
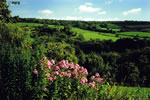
(68, 81)
(61, 50)
(14, 62)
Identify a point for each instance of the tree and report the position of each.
(4, 11)
(81, 37)
(61, 50)
(94, 63)
(15, 62)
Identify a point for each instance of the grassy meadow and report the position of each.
(140, 34)
(137, 92)
(93, 35)
(88, 35)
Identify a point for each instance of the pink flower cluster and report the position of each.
(67, 69)
(83, 80)
(35, 71)
(48, 63)
(97, 78)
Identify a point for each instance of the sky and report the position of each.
(87, 10)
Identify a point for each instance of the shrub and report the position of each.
(61, 50)
(68, 81)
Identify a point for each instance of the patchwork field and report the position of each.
(139, 34)
(143, 93)
(95, 35)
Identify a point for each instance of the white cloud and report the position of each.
(87, 8)
(88, 19)
(102, 13)
(85, 18)
(132, 11)
(73, 18)
(108, 2)
(109, 19)
(95, 19)
(46, 12)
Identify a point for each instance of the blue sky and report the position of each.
(97, 10)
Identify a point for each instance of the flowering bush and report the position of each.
(68, 80)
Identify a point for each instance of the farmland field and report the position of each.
(140, 34)
(142, 93)
(94, 35)
(29, 24)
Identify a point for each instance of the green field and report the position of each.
(113, 26)
(29, 24)
(95, 35)
(140, 34)
(141, 93)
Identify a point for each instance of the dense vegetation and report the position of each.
(118, 56)
(23, 45)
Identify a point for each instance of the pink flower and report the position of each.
(71, 66)
(76, 66)
(61, 73)
(49, 64)
(66, 66)
(97, 75)
(99, 80)
(83, 80)
(54, 78)
(92, 84)
(35, 71)
(48, 75)
(65, 73)
(84, 71)
(63, 61)
(57, 68)
(75, 74)
(68, 75)
(44, 89)
(61, 65)
(56, 73)
(51, 79)
(93, 77)
(43, 59)
(52, 61)
(67, 62)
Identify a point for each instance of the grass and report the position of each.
(28, 24)
(93, 35)
(88, 35)
(128, 93)
(140, 34)
(136, 92)
(113, 26)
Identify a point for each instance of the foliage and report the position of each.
(14, 62)
(21, 74)
(69, 81)
(58, 51)
(94, 63)
(4, 11)
(14, 35)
